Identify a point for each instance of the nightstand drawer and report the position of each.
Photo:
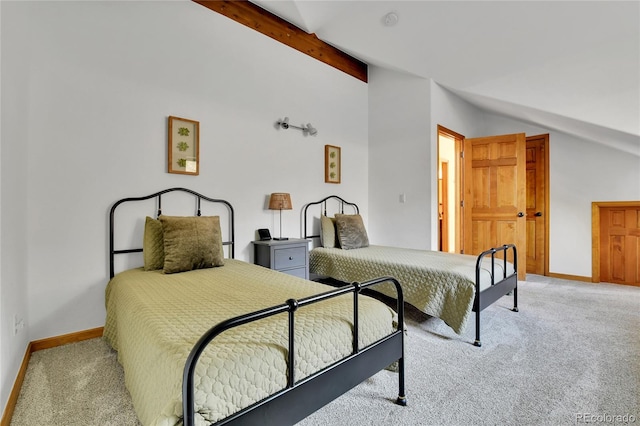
(289, 258)
(298, 272)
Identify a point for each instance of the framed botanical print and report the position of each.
(332, 169)
(184, 146)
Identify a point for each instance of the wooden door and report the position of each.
(620, 245)
(537, 212)
(495, 195)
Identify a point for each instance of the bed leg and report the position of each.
(477, 342)
(402, 398)
(515, 300)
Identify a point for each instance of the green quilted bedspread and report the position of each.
(440, 284)
(154, 319)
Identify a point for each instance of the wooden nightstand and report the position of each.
(289, 256)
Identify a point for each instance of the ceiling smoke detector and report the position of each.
(390, 19)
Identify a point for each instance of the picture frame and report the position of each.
(332, 164)
(184, 146)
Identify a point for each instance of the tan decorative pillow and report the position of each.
(191, 242)
(351, 231)
(153, 245)
(327, 232)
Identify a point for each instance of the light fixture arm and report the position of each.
(306, 129)
(296, 127)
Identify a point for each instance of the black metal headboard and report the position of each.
(198, 198)
(341, 203)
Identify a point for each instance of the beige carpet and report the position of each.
(570, 355)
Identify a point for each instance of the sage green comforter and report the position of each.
(154, 319)
(440, 284)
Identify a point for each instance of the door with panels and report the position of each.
(494, 194)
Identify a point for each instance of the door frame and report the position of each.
(547, 208)
(595, 232)
(457, 167)
(443, 198)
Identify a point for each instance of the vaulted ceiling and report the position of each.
(570, 66)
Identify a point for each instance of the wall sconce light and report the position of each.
(306, 129)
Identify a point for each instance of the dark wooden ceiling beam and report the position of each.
(265, 22)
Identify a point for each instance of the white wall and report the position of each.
(579, 176)
(580, 172)
(404, 112)
(400, 160)
(400, 106)
(455, 114)
(13, 201)
(84, 123)
(87, 88)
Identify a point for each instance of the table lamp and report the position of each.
(280, 201)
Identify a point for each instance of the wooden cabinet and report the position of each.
(619, 234)
(289, 256)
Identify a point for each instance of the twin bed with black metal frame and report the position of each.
(444, 285)
(153, 341)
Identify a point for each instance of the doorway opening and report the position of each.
(449, 190)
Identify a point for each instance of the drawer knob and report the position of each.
(290, 257)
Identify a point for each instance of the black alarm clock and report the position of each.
(264, 234)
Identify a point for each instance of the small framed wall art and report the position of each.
(184, 146)
(332, 169)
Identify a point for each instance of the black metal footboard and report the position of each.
(301, 398)
(506, 283)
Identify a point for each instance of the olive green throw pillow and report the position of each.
(351, 231)
(191, 243)
(153, 245)
(328, 232)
